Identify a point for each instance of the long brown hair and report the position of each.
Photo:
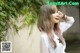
(45, 23)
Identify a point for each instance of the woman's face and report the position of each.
(56, 16)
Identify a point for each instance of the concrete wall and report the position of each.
(74, 31)
(22, 42)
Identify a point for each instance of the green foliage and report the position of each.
(14, 8)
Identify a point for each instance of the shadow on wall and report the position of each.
(74, 31)
(72, 35)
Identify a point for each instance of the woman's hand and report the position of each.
(62, 16)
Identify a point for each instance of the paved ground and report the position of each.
(73, 47)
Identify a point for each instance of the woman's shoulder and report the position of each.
(43, 35)
(44, 39)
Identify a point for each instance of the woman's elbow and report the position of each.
(71, 20)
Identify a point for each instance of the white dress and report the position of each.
(46, 46)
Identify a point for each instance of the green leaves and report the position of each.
(14, 8)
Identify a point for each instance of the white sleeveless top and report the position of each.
(46, 46)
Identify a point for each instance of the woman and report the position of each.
(49, 23)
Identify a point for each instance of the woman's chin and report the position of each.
(57, 21)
